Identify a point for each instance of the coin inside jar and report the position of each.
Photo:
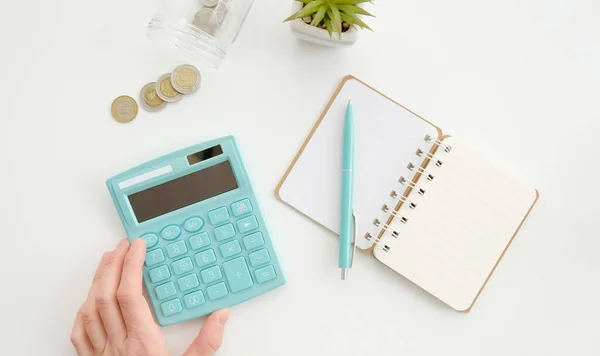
(185, 79)
(165, 90)
(206, 20)
(124, 109)
(209, 3)
(150, 100)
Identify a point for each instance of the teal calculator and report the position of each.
(208, 244)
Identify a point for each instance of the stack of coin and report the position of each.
(211, 16)
(154, 96)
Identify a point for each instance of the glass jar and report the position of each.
(199, 31)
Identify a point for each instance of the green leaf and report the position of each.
(337, 20)
(319, 16)
(305, 1)
(306, 11)
(353, 19)
(348, 2)
(351, 9)
(328, 26)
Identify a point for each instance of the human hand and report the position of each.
(116, 320)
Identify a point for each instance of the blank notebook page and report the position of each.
(461, 227)
(386, 135)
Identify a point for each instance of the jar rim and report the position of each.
(187, 41)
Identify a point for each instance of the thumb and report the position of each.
(210, 337)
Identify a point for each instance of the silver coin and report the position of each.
(209, 3)
(150, 100)
(165, 90)
(206, 20)
(186, 79)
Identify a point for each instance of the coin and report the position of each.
(150, 100)
(206, 20)
(124, 109)
(209, 3)
(221, 12)
(165, 90)
(185, 79)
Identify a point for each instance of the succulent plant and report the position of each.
(332, 15)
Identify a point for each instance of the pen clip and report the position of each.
(353, 239)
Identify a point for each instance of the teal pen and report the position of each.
(347, 220)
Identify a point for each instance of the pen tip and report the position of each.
(350, 101)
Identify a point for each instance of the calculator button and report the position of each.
(224, 232)
(241, 207)
(159, 274)
(259, 257)
(183, 265)
(199, 241)
(154, 257)
(218, 215)
(193, 300)
(265, 274)
(150, 239)
(247, 224)
(170, 232)
(253, 241)
(238, 274)
(176, 249)
(205, 258)
(230, 249)
(165, 290)
(212, 274)
(217, 291)
(193, 224)
(171, 307)
(188, 282)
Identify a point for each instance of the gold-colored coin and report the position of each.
(185, 79)
(150, 100)
(165, 90)
(124, 109)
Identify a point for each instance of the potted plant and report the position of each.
(333, 23)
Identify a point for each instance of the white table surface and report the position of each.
(519, 80)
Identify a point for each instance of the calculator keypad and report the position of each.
(207, 258)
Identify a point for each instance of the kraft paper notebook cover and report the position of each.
(426, 205)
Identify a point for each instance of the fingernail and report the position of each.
(223, 318)
(123, 242)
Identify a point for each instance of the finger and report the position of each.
(210, 337)
(136, 312)
(106, 296)
(92, 322)
(79, 338)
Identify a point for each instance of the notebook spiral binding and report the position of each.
(394, 214)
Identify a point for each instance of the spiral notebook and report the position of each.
(426, 204)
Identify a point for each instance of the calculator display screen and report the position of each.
(183, 191)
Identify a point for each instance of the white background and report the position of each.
(519, 80)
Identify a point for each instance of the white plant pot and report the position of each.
(320, 36)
